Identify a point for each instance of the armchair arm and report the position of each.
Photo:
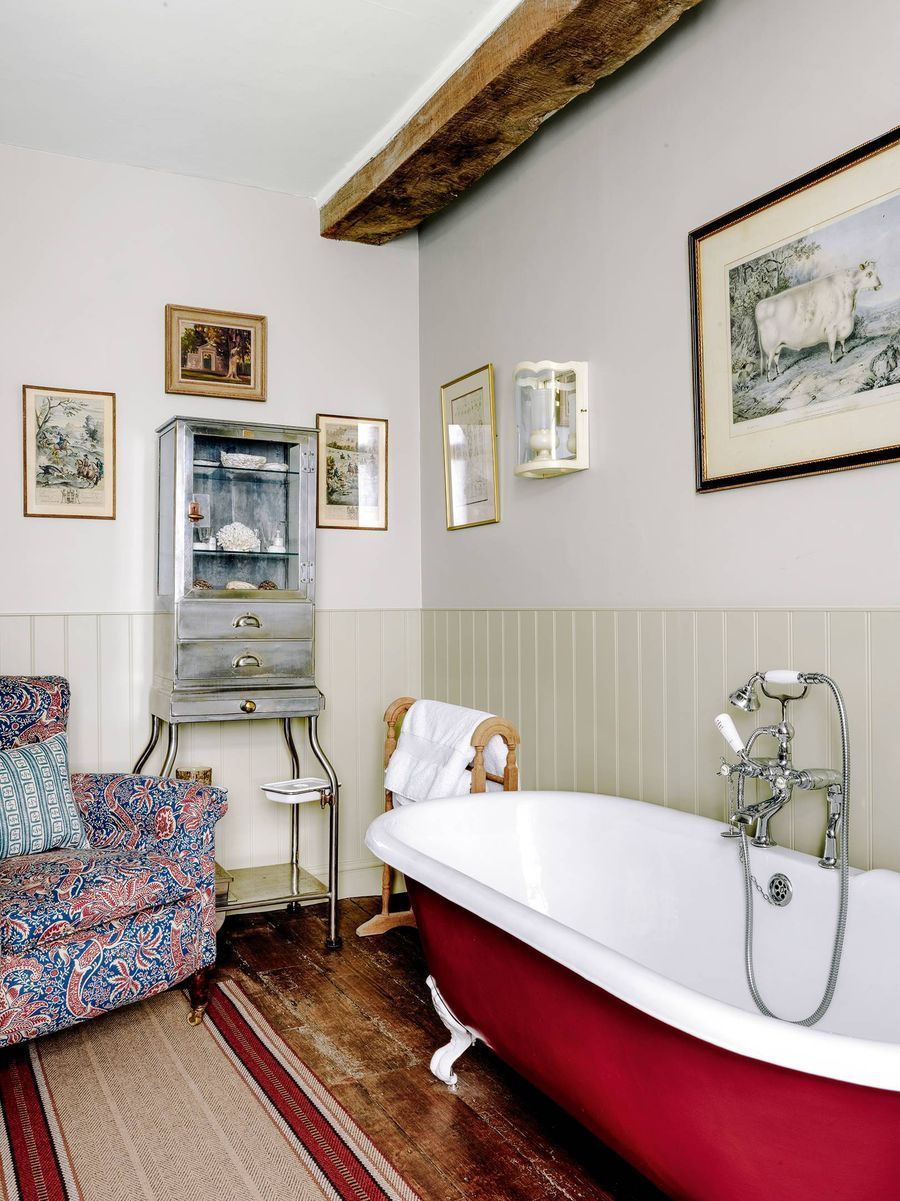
(173, 816)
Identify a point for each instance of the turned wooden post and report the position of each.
(198, 988)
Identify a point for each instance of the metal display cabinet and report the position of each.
(236, 589)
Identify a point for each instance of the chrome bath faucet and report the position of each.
(778, 772)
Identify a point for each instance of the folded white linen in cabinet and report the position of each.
(434, 750)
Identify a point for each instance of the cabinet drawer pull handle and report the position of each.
(248, 706)
(247, 619)
(245, 661)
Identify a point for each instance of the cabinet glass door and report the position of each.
(243, 511)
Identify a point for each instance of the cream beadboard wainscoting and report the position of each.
(623, 701)
(364, 658)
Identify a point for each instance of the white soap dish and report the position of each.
(295, 792)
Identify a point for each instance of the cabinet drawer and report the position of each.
(243, 620)
(234, 661)
(238, 704)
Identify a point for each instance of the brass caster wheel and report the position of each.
(195, 1017)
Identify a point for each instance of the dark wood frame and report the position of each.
(868, 458)
(347, 417)
(176, 385)
(74, 392)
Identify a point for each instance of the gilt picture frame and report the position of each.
(68, 453)
(469, 425)
(352, 479)
(795, 303)
(211, 352)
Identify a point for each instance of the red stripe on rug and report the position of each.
(34, 1159)
(342, 1166)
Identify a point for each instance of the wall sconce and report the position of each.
(551, 418)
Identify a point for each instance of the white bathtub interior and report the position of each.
(664, 889)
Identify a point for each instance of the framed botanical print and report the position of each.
(69, 452)
(471, 486)
(213, 353)
(352, 473)
(796, 323)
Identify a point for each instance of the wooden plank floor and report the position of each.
(362, 1019)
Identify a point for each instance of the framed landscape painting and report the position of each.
(69, 445)
(471, 486)
(213, 353)
(352, 474)
(796, 323)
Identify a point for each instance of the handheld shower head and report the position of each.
(746, 698)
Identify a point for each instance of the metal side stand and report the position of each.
(289, 884)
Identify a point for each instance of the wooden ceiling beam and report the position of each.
(544, 54)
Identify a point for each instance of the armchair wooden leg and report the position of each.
(198, 988)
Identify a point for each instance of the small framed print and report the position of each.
(214, 353)
(352, 474)
(471, 486)
(69, 452)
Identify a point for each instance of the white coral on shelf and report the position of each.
(237, 537)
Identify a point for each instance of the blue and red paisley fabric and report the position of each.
(32, 708)
(83, 932)
(45, 898)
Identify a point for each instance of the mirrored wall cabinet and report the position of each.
(551, 418)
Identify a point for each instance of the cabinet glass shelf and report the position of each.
(258, 472)
(248, 554)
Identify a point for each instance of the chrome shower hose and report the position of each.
(838, 948)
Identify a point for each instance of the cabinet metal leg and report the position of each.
(291, 746)
(171, 750)
(288, 728)
(333, 942)
(155, 727)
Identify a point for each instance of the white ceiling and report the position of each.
(292, 95)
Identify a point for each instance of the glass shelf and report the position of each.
(259, 472)
(251, 887)
(248, 554)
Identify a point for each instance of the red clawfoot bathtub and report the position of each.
(595, 944)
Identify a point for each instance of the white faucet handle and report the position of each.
(728, 730)
(782, 675)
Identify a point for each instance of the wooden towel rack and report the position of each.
(488, 729)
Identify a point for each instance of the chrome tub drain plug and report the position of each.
(781, 891)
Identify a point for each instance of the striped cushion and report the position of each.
(37, 809)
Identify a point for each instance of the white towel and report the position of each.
(434, 750)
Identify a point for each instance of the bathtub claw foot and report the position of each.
(461, 1038)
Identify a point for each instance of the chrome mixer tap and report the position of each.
(781, 778)
(778, 773)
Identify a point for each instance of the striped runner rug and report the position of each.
(140, 1106)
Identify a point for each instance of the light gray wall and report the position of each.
(90, 255)
(576, 248)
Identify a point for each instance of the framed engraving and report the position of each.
(352, 473)
(69, 452)
(471, 484)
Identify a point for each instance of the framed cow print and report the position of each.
(796, 325)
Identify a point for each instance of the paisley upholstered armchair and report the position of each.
(83, 931)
